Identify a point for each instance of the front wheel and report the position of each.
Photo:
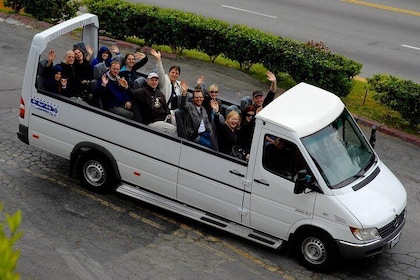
(95, 173)
(316, 250)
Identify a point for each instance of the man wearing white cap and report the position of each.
(154, 110)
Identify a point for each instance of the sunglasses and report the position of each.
(214, 91)
(250, 115)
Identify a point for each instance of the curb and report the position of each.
(29, 22)
(387, 130)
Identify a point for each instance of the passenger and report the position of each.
(258, 96)
(211, 94)
(67, 67)
(84, 74)
(198, 127)
(152, 105)
(228, 132)
(113, 91)
(58, 83)
(247, 127)
(168, 83)
(130, 67)
(87, 50)
(105, 56)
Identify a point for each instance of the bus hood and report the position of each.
(378, 202)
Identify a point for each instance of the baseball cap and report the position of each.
(153, 75)
(257, 93)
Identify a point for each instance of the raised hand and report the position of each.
(89, 50)
(270, 76)
(51, 57)
(184, 87)
(115, 49)
(200, 80)
(63, 82)
(139, 55)
(104, 79)
(123, 82)
(214, 105)
(156, 54)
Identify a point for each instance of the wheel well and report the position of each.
(301, 229)
(87, 147)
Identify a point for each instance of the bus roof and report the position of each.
(304, 109)
(41, 39)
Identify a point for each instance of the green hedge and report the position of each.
(400, 95)
(247, 46)
(54, 11)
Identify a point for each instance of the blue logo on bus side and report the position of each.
(44, 106)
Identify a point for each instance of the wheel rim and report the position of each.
(94, 173)
(314, 250)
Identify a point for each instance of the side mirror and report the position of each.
(301, 182)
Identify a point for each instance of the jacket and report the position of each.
(151, 102)
(192, 124)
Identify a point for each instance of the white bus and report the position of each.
(328, 195)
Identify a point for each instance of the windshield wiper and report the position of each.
(362, 172)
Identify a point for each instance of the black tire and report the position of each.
(316, 250)
(95, 172)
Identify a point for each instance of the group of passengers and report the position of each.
(155, 100)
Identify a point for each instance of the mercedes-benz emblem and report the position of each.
(395, 222)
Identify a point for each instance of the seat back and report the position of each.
(245, 102)
(40, 79)
(139, 82)
(98, 70)
(232, 108)
(181, 123)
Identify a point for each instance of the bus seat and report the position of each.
(39, 78)
(245, 102)
(180, 123)
(98, 70)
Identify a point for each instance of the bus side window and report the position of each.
(282, 157)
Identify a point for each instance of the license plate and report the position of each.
(394, 241)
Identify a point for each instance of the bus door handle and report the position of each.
(236, 172)
(262, 181)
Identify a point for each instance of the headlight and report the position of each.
(365, 234)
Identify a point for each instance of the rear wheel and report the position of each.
(95, 172)
(316, 250)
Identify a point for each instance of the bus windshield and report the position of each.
(340, 151)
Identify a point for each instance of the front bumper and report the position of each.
(361, 250)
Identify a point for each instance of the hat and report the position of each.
(257, 93)
(80, 46)
(57, 68)
(153, 75)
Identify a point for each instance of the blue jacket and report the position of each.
(113, 95)
(99, 59)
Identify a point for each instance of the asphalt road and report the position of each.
(74, 234)
(383, 35)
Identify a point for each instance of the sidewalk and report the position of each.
(233, 84)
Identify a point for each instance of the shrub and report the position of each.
(400, 95)
(45, 10)
(9, 234)
(311, 62)
(16, 5)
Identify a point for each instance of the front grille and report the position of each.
(392, 226)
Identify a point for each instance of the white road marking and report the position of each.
(410, 47)
(247, 11)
